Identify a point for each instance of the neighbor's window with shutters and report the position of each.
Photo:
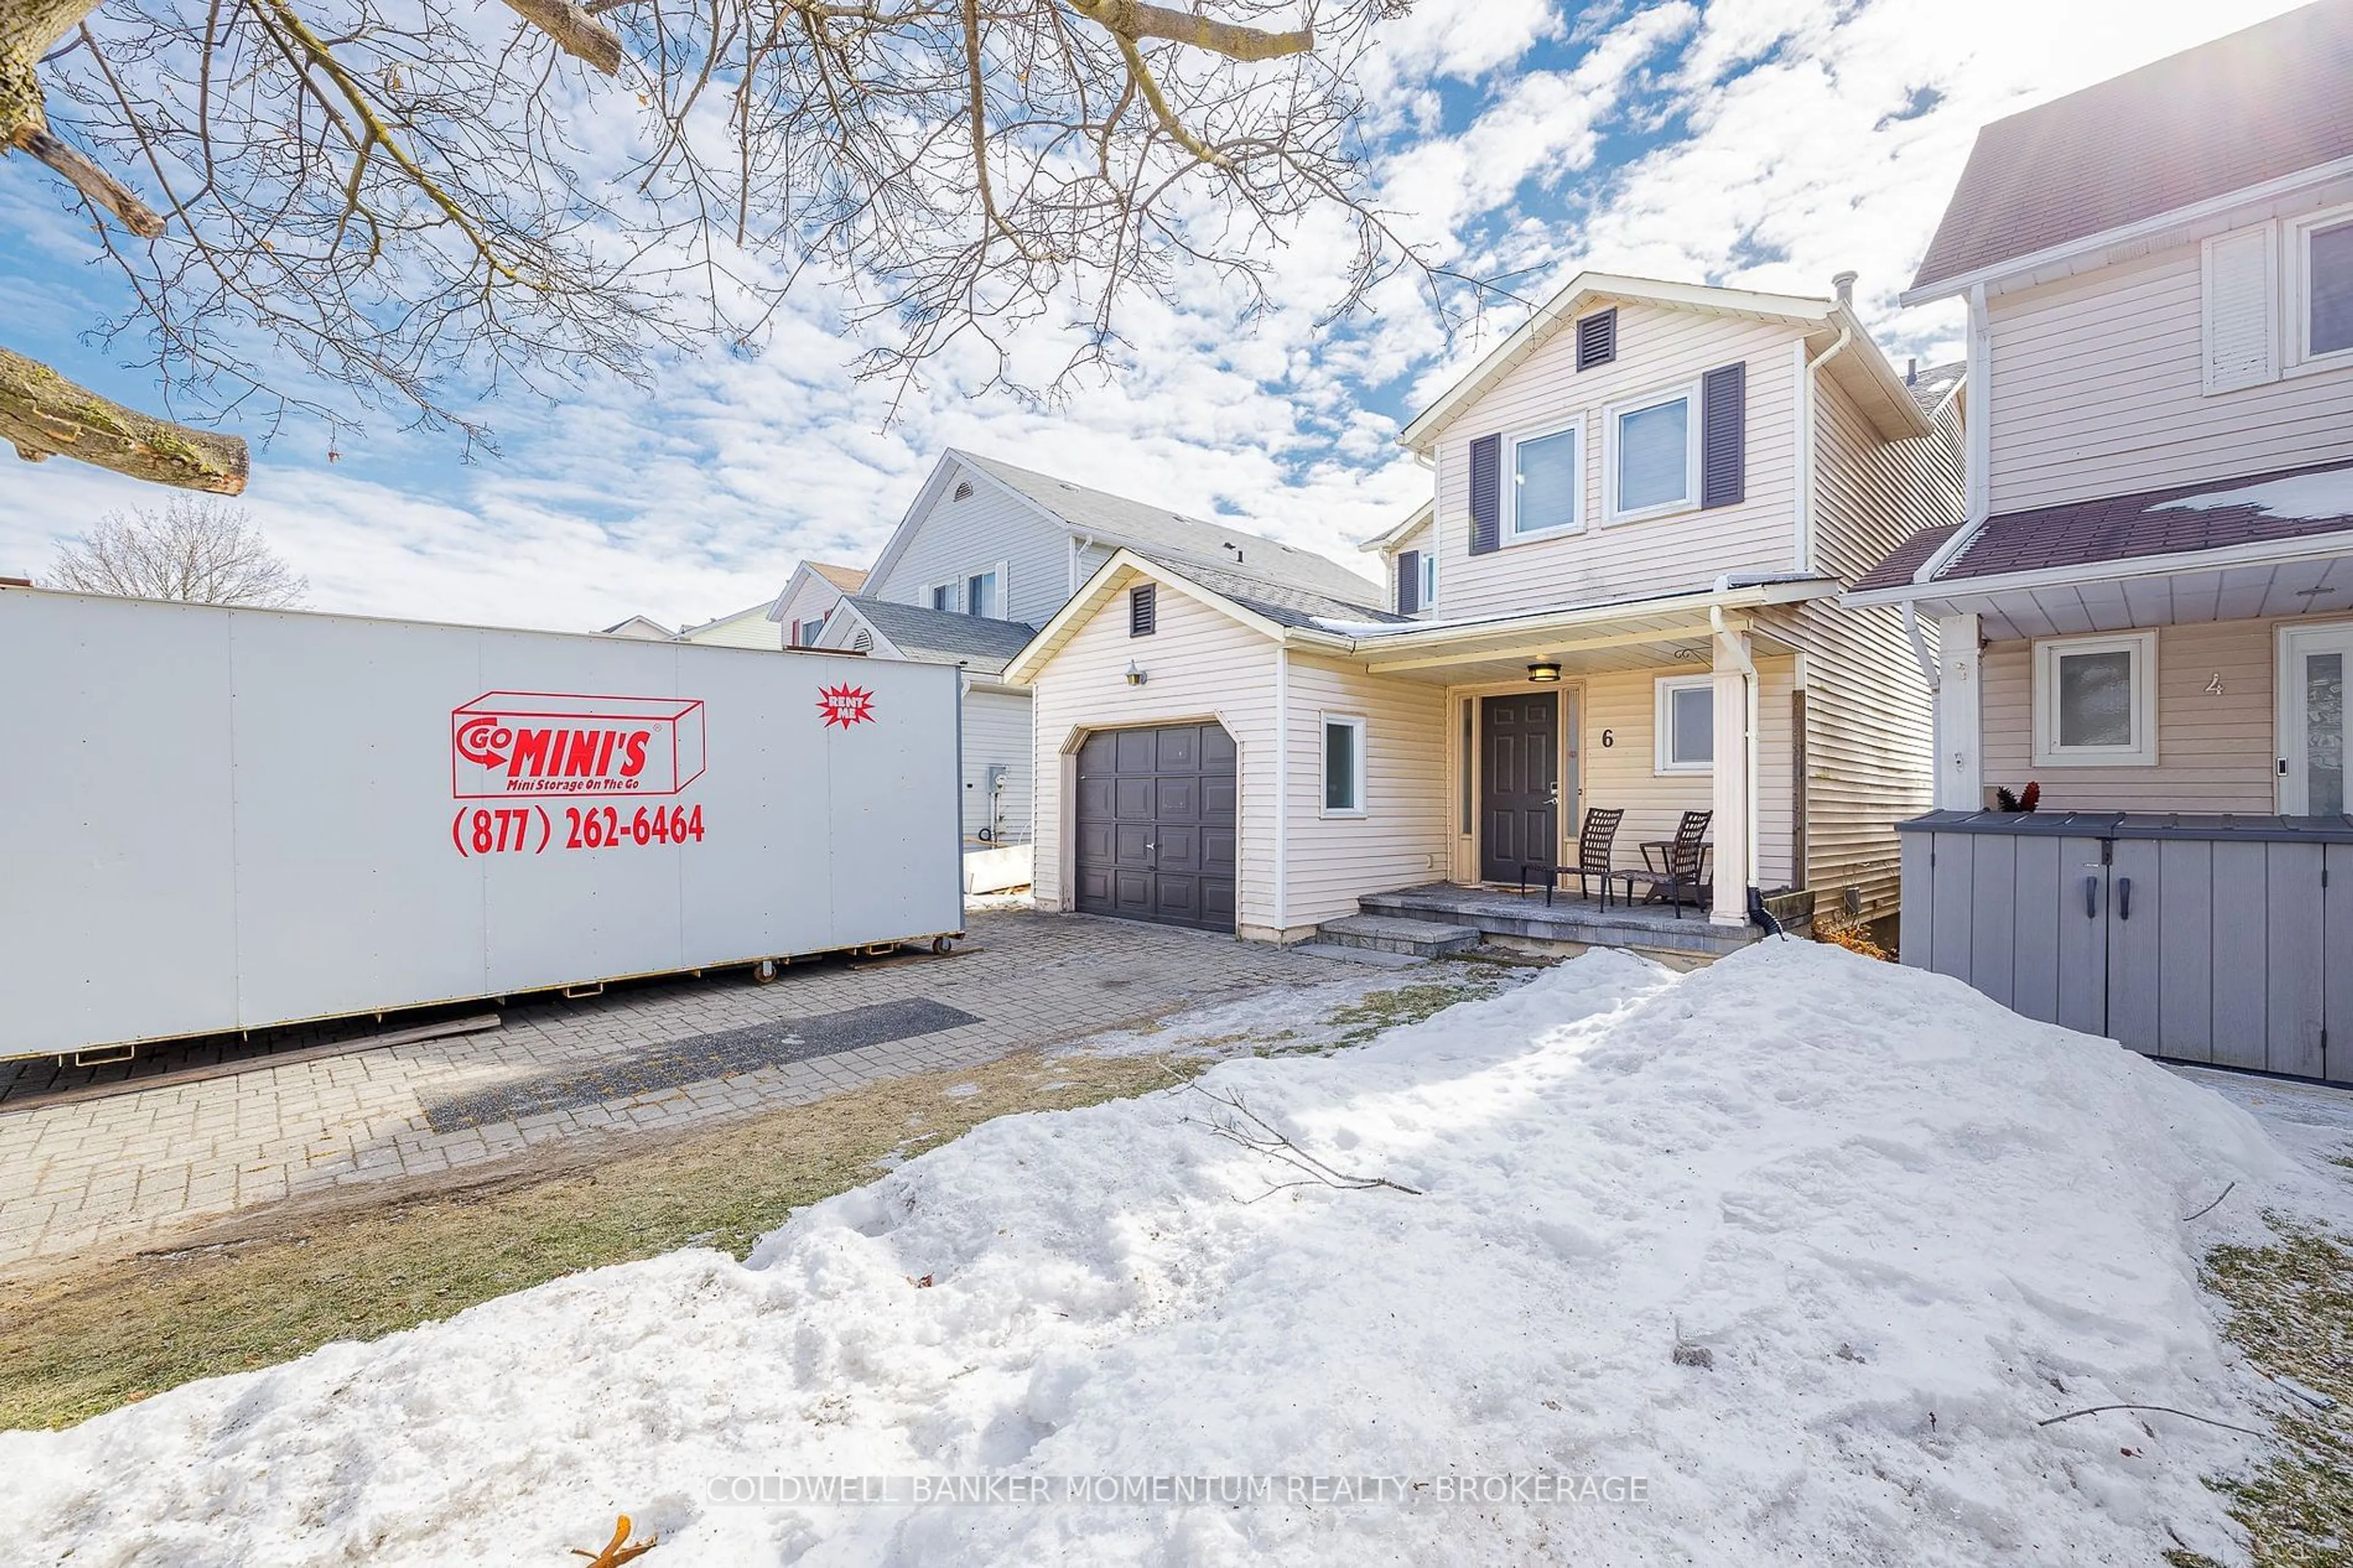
(1142, 609)
(980, 595)
(1428, 578)
(1343, 766)
(943, 597)
(1546, 494)
(2095, 701)
(1686, 724)
(1651, 459)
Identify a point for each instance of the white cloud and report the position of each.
(1784, 158)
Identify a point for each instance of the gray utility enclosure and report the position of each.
(2226, 940)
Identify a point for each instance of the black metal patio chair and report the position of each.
(1594, 842)
(1685, 872)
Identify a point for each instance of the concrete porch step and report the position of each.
(1372, 956)
(1498, 912)
(1397, 933)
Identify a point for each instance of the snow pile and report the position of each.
(1904, 1223)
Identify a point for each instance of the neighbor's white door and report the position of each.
(2315, 663)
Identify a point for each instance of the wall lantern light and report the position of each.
(1544, 674)
(1135, 675)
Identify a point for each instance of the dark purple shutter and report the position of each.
(1724, 435)
(1408, 570)
(1486, 493)
(1597, 338)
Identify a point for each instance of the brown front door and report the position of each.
(1519, 790)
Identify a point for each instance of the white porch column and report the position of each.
(1960, 717)
(1735, 805)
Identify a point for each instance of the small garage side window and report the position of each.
(2095, 701)
(1343, 765)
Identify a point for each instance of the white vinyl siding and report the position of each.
(985, 532)
(744, 628)
(1401, 839)
(2097, 390)
(2240, 309)
(1204, 666)
(1870, 726)
(1657, 349)
(997, 733)
(2214, 723)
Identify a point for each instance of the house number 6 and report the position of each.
(1608, 738)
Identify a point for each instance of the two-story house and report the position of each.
(2146, 615)
(986, 553)
(1620, 596)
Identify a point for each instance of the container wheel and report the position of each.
(764, 973)
(939, 944)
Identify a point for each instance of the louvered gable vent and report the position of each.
(1143, 609)
(1597, 338)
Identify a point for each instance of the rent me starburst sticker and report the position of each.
(845, 705)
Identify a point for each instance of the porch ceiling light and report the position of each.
(1135, 675)
(1544, 674)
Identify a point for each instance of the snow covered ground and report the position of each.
(1902, 1224)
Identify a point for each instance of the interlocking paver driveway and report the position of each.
(105, 1173)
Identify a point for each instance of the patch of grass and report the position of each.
(2291, 1311)
(1386, 1010)
(359, 1263)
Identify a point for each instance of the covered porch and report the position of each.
(1653, 708)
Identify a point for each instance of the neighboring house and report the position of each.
(987, 553)
(808, 599)
(746, 627)
(2148, 609)
(637, 627)
(1645, 500)
(996, 715)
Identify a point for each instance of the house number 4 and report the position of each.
(2214, 687)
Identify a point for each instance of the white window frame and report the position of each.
(1429, 577)
(1510, 531)
(1687, 394)
(1353, 722)
(2295, 254)
(954, 587)
(996, 569)
(2142, 752)
(1662, 729)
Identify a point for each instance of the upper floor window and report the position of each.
(1546, 494)
(980, 597)
(2327, 255)
(943, 597)
(1651, 464)
(1428, 578)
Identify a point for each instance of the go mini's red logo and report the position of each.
(540, 742)
(845, 705)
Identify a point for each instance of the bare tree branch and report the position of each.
(43, 415)
(576, 32)
(1132, 20)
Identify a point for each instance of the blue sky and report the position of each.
(1765, 142)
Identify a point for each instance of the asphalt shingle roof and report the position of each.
(1286, 603)
(1930, 388)
(2256, 105)
(2148, 522)
(917, 629)
(1157, 532)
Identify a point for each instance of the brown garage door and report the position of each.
(1156, 824)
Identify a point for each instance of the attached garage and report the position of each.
(1154, 824)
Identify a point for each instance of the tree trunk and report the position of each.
(42, 413)
(29, 29)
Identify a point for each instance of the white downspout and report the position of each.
(1281, 789)
(1806, 369)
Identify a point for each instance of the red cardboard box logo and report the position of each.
(506, 744)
